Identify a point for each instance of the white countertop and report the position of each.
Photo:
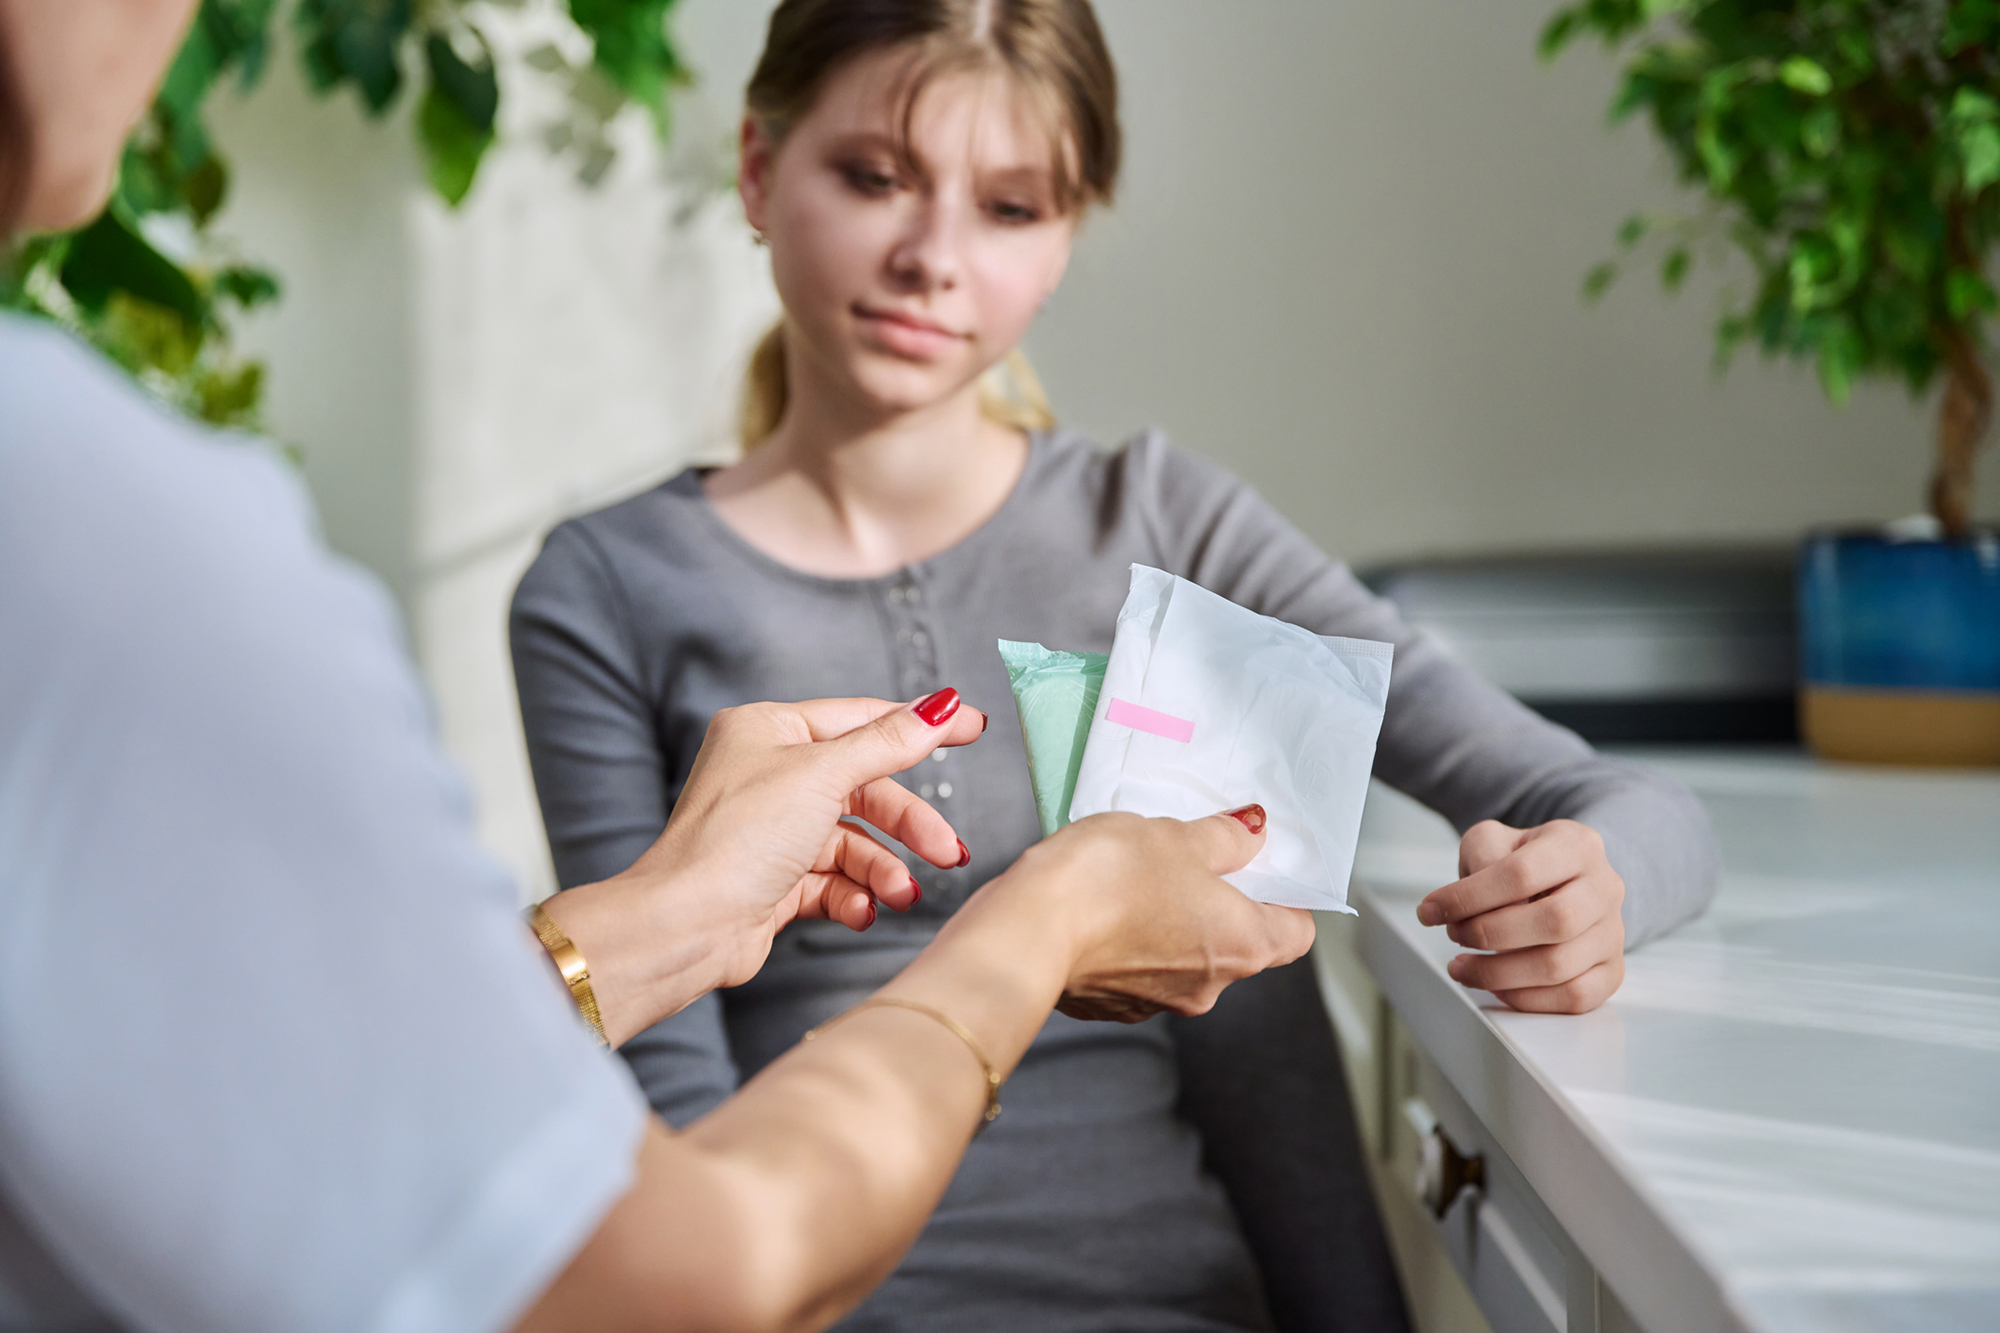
(1789, 1117)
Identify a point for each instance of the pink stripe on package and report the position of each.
(1153, 724)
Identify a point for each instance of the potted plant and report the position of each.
(1850, 149)
(165, 311)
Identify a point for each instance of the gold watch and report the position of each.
(575, 972)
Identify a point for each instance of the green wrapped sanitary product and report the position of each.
(1056, 693)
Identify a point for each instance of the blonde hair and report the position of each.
(1052, 48)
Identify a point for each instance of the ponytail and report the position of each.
(1010, 394)
(765, 392)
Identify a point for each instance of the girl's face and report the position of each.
(904, 279)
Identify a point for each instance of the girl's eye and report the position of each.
(868, 180)
(1016, 214)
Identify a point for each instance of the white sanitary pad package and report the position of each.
(1206, 707)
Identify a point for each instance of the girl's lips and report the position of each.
(906, 335)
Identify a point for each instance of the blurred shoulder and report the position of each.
(1145, 484)
(106, 491)
(1145, 467)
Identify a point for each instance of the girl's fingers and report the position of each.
(1484, 843)
(1543, 964)
(910, 820)
(1562, 915)
(1532, 868)
(1578, 995)
(1543, 858)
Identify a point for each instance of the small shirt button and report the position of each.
(919, 638)
(927, 791)
(938, 754)
(944, 791)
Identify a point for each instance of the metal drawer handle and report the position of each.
(1443, 1171)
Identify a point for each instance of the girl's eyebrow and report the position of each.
(1026, 175)
(1021, 175)
(867, 140)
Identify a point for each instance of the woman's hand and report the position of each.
(1151, 924)
(761, 813)
(758, 839)
(1544, 903)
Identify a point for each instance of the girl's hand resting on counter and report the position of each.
(1544, 903)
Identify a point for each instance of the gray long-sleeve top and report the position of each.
(1085, 1206)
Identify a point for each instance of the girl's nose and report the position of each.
(926, 257)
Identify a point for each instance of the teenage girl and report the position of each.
(919, 170)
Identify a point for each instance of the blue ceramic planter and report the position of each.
(1900, 648)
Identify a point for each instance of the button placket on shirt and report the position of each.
(914, 653)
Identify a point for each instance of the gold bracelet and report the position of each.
(575, 972)
(964, 1034)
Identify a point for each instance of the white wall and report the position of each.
(1346, 263)
(460, 381)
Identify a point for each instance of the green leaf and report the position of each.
(230, 395)
(1967, 294)
(1730, 333)
(1719, 158)
(1632, 229)
(1973, 106)
(1819, 131)
(205, 189)
(1599, 280)
(354, 41)
(1856, 48)
(1980, 146)
(109, 257)
(1805, 75)
(632, 48)
(200, 59)
(1674, 268)
(453, 145)
(469, 85)
(1556, 33)
(247, 286)
(455, 124)
(1839, 361)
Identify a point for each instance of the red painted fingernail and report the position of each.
(984, 718)
(935, 708)
(871, 915)
(964, 854)
(1250, 817)
(916, 892)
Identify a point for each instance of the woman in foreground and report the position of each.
(919, 169)
(276, 1050)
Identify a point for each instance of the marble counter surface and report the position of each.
(1789, 1117)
